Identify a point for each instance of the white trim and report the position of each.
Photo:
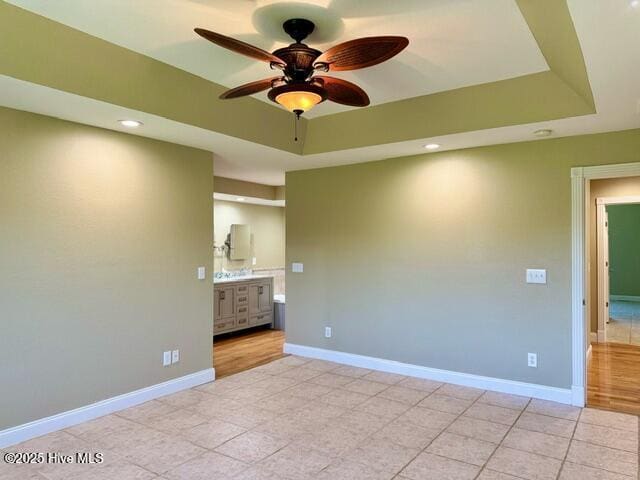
(18, 434)
(555, 394)
(602, 336)
(602, 233)
(579, 177)
(578, 395)
(578, 303)
(602, 254)
(617, 200)
(589, 353)
(607, 171)
(625, 298)
(593, 337)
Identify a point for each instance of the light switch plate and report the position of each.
(175, 356)
(297, 267)
(532, 360)
(536, 276)
(254, 261)
(202, 273)
(328, 332)
(166, 359)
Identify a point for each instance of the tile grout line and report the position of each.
(503, 439)
(159, 475)
(566, 454)
(388, 422)
(444, 429)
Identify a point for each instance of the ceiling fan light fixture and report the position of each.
(298, 97)
(298, 101)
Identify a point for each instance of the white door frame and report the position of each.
(580, 178)
(603, 246)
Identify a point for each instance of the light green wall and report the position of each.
(422, 259)
(267, 233)
(100, 237)
(624, 249)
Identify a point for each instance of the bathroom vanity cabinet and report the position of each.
(242, 303)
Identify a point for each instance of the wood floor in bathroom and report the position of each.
(241, 351)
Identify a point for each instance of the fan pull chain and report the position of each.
(295, 123)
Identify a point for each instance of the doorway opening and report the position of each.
(249, 276)
(614, 290)
(618, 274)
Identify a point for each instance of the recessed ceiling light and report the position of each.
(240, 199)
(635, 3)
(432, 146)
(544, 132)
(130, 123)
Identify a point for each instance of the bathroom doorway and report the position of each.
(249, 275)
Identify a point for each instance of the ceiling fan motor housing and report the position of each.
(298, 28)
(298, 59)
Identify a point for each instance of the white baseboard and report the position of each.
(602, 336)
(593, 337)
(577, 396)
(625, 298)
(544, 392)
(18, 434)
(589, 353)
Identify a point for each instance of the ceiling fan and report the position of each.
(298, 88)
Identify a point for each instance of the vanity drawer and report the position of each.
(243, 310)
(242, 298)
(242, 289)
(223, 325)
(242, 322)
(261, 319)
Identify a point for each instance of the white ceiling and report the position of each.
(454, 43)
(608, 32)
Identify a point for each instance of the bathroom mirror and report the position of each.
(240, 242)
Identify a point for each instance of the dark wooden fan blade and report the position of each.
(362, 52)
(341, 91)
(251, 88)
(238, 46)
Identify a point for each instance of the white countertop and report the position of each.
(244, 278)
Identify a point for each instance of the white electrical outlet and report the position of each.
(327, 332)
(536, 276)
(532, 360)
(254, 261)
(202, 273)
(297, 267)
(166, 359)
(175, 356)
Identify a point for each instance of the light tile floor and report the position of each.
(296, 419)
(624, 323)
